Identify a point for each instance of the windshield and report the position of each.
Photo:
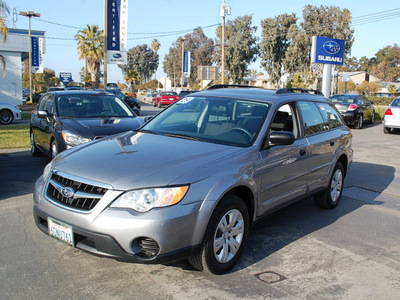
(217, 120)
(345, 99)
(90, 106)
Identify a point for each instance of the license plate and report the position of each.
(60, 231)
(172, 99)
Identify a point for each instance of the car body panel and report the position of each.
(392, 120)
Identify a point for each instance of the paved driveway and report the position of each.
(300, 252)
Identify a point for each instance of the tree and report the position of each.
(40, 81)
(4, 11)
(344, 87)
(392, 89)
(142, 59)
(275, 41)
(155, 45)
(386, 65)
(241, 48)
(132, 77)
(326, 21)
(201, 48)
(91, 49)
(368, 88)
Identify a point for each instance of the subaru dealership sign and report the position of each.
(327, 50)
(186, 64)
(65, 78)
(117, 31)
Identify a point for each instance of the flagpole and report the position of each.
(105, 43)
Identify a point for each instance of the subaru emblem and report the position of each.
(67, 192)
(331, 47)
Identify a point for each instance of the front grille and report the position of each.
(84, 196)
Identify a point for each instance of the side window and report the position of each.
(312, 119)
(331, 115)
(284, 120)
(43, 102)
(50, 105)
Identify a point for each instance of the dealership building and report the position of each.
(15, 50)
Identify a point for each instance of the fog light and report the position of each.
(145, 247)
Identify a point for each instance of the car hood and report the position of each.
(135, 160)
(100, 127)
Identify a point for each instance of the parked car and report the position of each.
(35, 96)
(193, 180)
(391, 120)
(150, 97)
(56, 88)
(185, 93)
(74, 88)
(9, 113)
(355, 109)
(66, 119)
(111, 85)
(165, 98)
(25, 93)
(132, 102)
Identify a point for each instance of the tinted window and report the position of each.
(217, 120)
(332, 117)
(345, 99)
(312, 119)
(396, 102)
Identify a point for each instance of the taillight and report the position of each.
(388, 112)
(352, 107)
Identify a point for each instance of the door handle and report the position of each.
(303, 151)
(332, 142)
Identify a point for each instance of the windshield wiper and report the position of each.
(184, 136)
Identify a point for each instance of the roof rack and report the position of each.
(298, 90)
(226, 86)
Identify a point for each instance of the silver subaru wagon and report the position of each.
(193, 179)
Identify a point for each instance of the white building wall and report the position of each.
(10, 85)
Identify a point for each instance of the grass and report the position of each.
(380, 112)
(26, 115)
(14, 136)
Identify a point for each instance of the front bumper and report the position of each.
(105, 245)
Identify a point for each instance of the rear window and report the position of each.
(169, 94)
(345, 99)
(396, 102)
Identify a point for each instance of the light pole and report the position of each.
(223, 44)
(183, 53)
(30, 14)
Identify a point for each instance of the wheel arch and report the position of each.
(246, 194)
(345, 163)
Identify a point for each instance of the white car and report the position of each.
(9, 113)
(391, 119)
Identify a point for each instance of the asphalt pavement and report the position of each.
(299, 252)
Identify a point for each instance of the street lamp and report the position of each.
(30, 14)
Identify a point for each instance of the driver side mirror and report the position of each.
(279, 138)
(42, 114)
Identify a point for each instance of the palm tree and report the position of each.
(91, 49)
(131, 77)
(155, 45)
(4, 10)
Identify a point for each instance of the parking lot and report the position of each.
(300, 252)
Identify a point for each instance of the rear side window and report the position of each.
(312, 119)
(331, 115)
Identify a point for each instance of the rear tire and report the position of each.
(159, 104)
(359, 123)
(330, 197)
(225, 237)
(386, 130)
(34, 150)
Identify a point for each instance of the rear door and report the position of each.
(320, 122)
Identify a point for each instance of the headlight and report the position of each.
(144, 200)
(47, 171)
(73, 139)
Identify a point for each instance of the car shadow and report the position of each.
(19, 171)
(298, 220)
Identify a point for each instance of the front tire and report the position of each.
(330, 197)
(225, 237)
(53, 149)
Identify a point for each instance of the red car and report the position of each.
(165, 98)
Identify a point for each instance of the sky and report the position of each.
(375, 24)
